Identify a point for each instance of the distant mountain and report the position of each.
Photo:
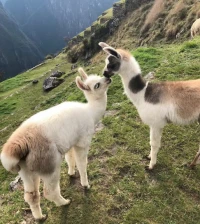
(47, 22)
(17, 51)
(3, 1)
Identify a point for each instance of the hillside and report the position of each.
(17, 51)
(122, 191)
(133, 23)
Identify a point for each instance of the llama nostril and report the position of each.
(108, 80)
(108, 74)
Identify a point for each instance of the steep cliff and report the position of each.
(17, 52)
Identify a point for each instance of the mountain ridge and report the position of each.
(18, 52)
(57, 19)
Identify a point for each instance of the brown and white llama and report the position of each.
(157, 103)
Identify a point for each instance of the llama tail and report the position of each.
(12, 153)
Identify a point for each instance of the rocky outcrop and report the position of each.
(118, 10)
(105, 25)
(131, 5)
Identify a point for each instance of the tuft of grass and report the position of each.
(189, 45)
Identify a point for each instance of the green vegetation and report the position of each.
(49, 56)
(122, 191)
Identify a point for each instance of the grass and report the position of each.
(122, 191)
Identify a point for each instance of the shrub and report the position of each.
(189, 45)
(49, 56)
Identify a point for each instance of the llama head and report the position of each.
(118, 61)
(94, 87)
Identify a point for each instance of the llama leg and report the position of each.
(196, 159)
(31, 193)
(155, 141)
(52, 188)
(70, 159)
(81, 162)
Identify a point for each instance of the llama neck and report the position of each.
(133, 82)
(97, 108)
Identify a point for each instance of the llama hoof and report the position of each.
(63, 202)
(41, 220)
(72, 175)
(67, 202)
(191, 166)
(86, 188)
(147, 157)
(147, 168)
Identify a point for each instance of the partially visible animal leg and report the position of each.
(31, 192)
(52, 188)
(81, 162)
(196, 160)
(155, 142)
(70, 159)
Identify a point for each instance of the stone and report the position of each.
(87, 33)
(87, 63)
(15, 184)
(57, 74)
(35, 81)
(51, 82)
(79, 38)
(73, 66)
(118, 10)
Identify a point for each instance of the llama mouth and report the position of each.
(108, 80)
(108, 74)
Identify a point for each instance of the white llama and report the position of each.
(36, 148)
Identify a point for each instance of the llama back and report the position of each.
(65, 124)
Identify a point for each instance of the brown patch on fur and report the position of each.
(16, 146)
(125, 54)
(186, 96)
(33, 198)
(154, 92)
(32, 148)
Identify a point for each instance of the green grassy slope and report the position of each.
(122, 191)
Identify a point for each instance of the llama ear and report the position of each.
(83, 73)
(102, 44)
(112, 51)
(80, 84)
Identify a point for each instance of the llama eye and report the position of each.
(97, 85)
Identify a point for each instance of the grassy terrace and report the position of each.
(122, 191)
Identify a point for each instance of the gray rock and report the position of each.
(15, 183)
(73, 66)
(51, 82)
(57, 74)
(35, 81)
